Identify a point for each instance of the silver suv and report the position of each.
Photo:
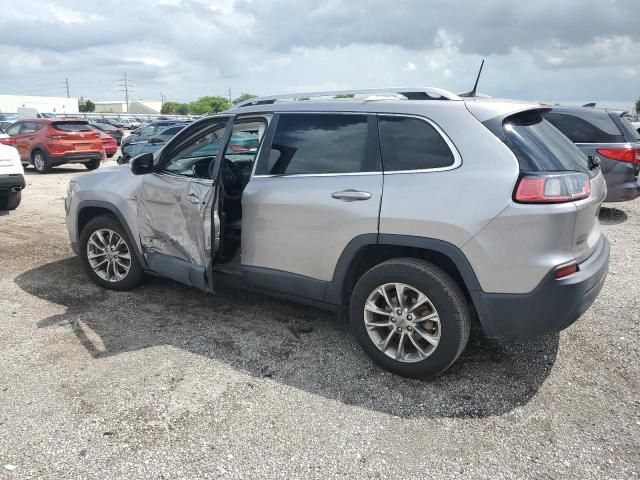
(413, 211)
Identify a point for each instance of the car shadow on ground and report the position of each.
(65, 169)
(612, 216)
(298, 346)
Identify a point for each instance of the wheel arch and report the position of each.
(34, 148)
(88, 209)
(366, 251)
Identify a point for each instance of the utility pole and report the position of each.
(229, 95)
(125, 84)
(66, 81)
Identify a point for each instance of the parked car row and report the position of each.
(365, 207)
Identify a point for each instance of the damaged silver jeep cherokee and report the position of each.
(414, 210)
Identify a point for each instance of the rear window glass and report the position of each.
(586, 130)
(629, 132)
(539, 146)
(412, 144)
(72, 126)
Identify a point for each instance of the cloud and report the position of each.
(185, 48)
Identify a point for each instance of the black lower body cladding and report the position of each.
(552, 306)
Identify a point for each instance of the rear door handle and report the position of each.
(351, 195)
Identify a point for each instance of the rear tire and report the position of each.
(394, 334)
(98, 237)
(40, 161)
(10, 201)
(92, 165)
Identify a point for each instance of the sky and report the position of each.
(544, 50)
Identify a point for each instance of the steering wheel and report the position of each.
(232, 179)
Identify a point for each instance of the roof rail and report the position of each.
(415, 93)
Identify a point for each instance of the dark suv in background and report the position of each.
(607, 135)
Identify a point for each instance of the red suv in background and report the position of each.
(48, 142)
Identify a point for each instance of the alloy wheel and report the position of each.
(38, 161)
(109, 255)
(402, 322)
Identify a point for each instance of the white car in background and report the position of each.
(11, 178)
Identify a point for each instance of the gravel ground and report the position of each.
(166, 382)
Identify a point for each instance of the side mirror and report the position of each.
(142, 164)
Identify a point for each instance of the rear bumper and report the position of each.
(75, 158)
(12, 183)
(552, 306)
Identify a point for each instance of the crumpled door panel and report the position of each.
(174, 217)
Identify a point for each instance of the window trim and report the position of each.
(273, 125)
(457, 158)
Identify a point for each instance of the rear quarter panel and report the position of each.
(452, 205)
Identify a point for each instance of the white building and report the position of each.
(59, 105)
(136, 108)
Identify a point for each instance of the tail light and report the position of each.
(565, 270)
(8, 141)
(628, 155)
(552, 188)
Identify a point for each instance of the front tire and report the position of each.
(410, 317)
(40, 161)
(108, 254)
(10, 201)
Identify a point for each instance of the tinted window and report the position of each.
(29, 127)
(315, 143)
(539, 146)
(72, 126)
(580, 130)
(412, 144)
(630, 133)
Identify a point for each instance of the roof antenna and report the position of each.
(472, 93)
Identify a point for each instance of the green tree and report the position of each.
(244, 97)
(638, 106)
(87, 107)
(209, 105)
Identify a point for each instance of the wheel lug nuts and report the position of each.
(409, 328)
(399, 312)
(399, 329)
(409, 317)
(393, 320)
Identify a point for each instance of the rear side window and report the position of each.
(72, 126)
(412, 144)
(319, 143)
(539, 146)
(30, 127)
(581, 130)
